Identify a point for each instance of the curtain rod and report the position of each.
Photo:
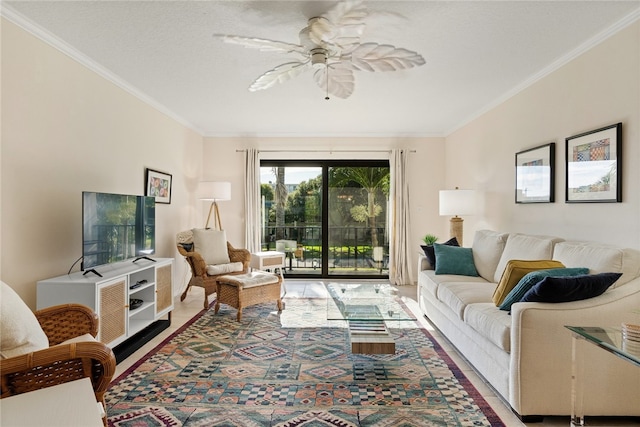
(321, 151)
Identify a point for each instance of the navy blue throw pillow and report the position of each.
(430, 253)
(565, 289)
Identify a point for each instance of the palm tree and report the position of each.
(371, 180)
(281, 200)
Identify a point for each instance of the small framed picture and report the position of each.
(594, 161)
(535, 181)
(158, 185)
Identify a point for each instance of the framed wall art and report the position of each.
(158, 185)
(593, 169)
(535, 181)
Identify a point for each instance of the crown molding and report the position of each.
(554, 66)
(398, 135)
(31, 27)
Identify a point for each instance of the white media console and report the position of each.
(110, 295)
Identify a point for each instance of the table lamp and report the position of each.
(215, 191)
(457, 202)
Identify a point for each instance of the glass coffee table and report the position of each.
(367, 308)
(607, 338)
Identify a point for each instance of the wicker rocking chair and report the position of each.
(200, 271)
(59, 364)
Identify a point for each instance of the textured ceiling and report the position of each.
(477, 53)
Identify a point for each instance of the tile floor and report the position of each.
(185, 310)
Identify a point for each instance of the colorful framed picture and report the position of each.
(158, 185)
(594, 161)
(535, 180)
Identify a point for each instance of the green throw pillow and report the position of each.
(530, 279)
(454, 260)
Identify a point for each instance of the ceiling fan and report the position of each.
(330, 44)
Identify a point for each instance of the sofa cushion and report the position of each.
(212, 245)
(454, 260)
(429, 250)
(458, 295)
(600, 258)
(487, 250)
(530, 279)
(491, 323)
(516, 270)
(565, 289)
(525, 247)
(431, 280)
(20, 331)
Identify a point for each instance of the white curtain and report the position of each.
(252, 200)
(400, 260)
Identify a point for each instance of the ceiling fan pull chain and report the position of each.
(327, 97)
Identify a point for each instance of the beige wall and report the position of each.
(426, 173)
(599, 88)
(65, 129)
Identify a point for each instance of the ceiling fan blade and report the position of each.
(349, 12)
(342, 26)
(383, 57)
(280, 74)
(341, 80)
(263, 45)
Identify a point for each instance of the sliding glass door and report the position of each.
(329, 217)
(292, 215)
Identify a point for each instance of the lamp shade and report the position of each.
(215, 190)
(457, 202)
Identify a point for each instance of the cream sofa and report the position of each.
(526, 355)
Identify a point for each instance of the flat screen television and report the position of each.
(116, 227)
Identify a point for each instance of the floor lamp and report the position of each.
(215, 191)
(457, 202)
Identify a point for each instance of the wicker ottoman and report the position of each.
(243, 290)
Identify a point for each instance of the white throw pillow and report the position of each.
(20, 332)
(212, 245)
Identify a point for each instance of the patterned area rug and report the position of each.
(292, 369)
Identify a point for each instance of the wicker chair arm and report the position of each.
(182, 250)
(239, 255)
(66, 321)
(57, 365)
(198, 264)
(195, 260)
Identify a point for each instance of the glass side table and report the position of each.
(607, 338)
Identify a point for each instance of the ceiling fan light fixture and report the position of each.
(335, 35)
(319, 57)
